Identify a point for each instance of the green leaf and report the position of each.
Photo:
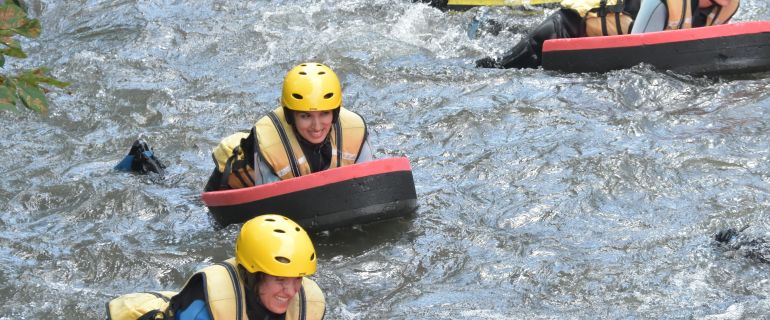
(12, 17)
(32, 97)
(38, 76)
(53, 82)
(7, 98)
(13, 52)
(30, 29)
(9, 41)
(14, 47)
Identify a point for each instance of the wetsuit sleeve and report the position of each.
(527, 53)
(366, 152)
(195, 311)
(652, 16)
(190, 303)
(263, 173)
(214, 181)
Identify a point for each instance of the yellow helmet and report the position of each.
(311, 87)
(275, 245)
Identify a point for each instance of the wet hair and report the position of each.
(251, 280)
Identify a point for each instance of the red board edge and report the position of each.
(652, 38)
(251, 194)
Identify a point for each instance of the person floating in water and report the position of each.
(588, 18)
(267, 279)
(751, 247)
(311, 131)
(141, 159)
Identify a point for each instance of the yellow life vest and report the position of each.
(231, 161)
(279, 147)
(139, 305)
(225, 294)
(601, 17)
(308, 304)
(225, 297)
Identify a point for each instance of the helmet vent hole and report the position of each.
(283, 260)
(321, 73)
(279, 231)
(312, 256)
(296, 229)
(329, 95)
(270, 219)
(296, 96)
(303, 73)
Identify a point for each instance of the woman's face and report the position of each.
(314, 126)
(276, 292)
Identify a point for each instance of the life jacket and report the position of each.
(139, 306)
(680, 12)
(232, 161)
(279, 148)
(601, 17)
(224, 295)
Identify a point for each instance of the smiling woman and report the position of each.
(310, 132)
(265, 280)
(313, 126)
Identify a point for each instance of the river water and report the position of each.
(542, 195)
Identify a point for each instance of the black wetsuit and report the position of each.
(318, 156)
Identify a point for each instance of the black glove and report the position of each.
(726, 235)
(144, 159)
(487, 62)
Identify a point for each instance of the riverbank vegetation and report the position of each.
(25, 85)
